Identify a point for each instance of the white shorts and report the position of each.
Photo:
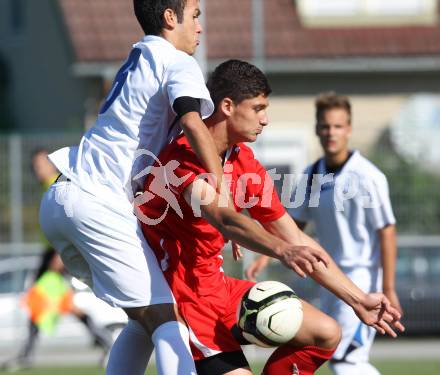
(101, 242)
(357, 337)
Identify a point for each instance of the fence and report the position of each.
(20, 192)
(414, 192)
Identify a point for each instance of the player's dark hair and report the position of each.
(149, 13)
(330, 100)
(237, 80)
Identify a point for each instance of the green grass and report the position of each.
(430, 367)
(385, 367)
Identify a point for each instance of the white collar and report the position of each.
(157, 38)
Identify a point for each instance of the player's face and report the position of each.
(334, 131)
(190, 29)
(248, 119)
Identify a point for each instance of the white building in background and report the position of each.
(60, 57)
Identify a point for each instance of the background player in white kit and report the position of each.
(87, 214)
(354, 222)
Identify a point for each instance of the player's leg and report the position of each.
(355, 356)
(124, 272)
(317, 329)
(161, 320)
(169, 335)
(215, 349)
(24, 359)
(131, 351)
(352, 354)
(312, 346)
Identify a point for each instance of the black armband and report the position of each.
(186, 104)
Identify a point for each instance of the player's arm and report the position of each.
(200, 139)
(259, 264)
(388, 248)
(205, 201)
(330, 277)
(373, 309)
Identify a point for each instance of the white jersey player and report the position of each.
(354, 207)
(347, 199)
(87, 214)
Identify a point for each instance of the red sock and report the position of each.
(287, 360)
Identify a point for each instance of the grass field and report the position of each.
(385, 367)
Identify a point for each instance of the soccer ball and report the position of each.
(269, 314)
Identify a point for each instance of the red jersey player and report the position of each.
(186, 222)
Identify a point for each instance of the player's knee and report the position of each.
(329, 333)
(151, 317)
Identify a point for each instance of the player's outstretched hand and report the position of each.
(376, 311)
(303, 259)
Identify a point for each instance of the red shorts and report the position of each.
(210, 330)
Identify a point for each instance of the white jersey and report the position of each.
(136, 117)
(348, 210)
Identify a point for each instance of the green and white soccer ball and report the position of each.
(269, 314)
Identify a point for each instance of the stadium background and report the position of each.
(58, 59)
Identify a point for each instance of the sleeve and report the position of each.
(184, 78)
(268, 206)
(378, 209)
(300, 210)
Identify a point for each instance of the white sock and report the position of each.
(131, 351)
(173, 355)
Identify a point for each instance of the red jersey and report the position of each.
(188, 247)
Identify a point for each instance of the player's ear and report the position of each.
(227, 106)
(169, 19)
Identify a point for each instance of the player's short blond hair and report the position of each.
(330, 100)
